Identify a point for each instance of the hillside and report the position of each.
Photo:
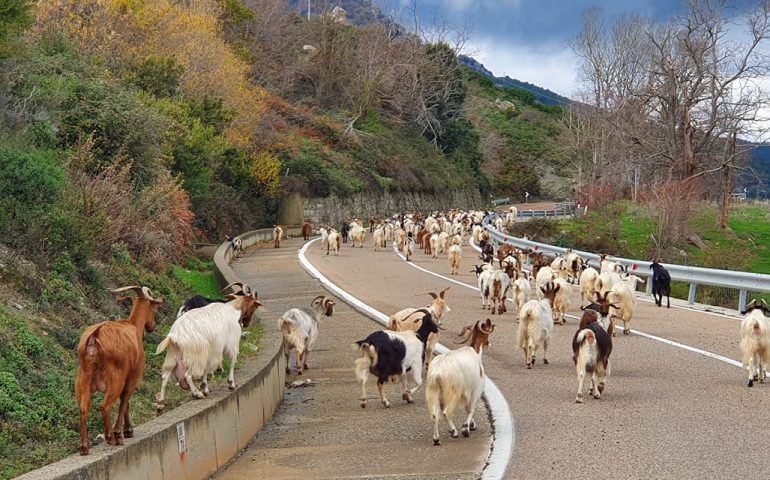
(542, 95)
(520, 143)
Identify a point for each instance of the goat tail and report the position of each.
(163, 345)
(433, 396)
(366, 361)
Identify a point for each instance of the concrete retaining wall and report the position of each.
(216, 429)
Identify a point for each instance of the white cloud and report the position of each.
(551, 66)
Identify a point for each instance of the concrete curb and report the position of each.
(198, 438)
(502, 421)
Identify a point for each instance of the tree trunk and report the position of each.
(727, 174)
(689, 155)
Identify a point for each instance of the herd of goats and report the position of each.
(112, 360)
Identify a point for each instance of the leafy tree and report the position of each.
(15, 16)
(158, 75)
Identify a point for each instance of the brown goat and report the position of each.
(307, 230)
(111, 360)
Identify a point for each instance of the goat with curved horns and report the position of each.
(458, 376)
(111, 360)
(437, 308)
(300, 329)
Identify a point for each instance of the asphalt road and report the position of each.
(667, 412)
(320, 431)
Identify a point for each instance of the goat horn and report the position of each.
(464, 335)
(319, 297)
(490, 327)
(441, 294)
(234, 284)
(433, 295)
(137, 289)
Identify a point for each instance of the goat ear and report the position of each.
(158, 301)
(122, 300)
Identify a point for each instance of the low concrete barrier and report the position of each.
(198, 438)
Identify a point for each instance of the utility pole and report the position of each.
(308, 10)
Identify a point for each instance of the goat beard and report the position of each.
(180, 374)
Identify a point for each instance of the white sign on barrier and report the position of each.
(181, 438)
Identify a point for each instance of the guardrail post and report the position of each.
(691, 295)
(742, 300)
(648, 287)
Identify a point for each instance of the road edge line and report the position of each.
(503, 430)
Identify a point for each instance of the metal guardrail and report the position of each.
(744, 282)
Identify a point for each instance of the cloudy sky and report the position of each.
(527, 39)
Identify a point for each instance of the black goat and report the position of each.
(661, 284)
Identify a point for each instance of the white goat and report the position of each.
(378, 238)
(300, 329)
(454, 256)
(606, 281)
(544, 276)
(755, 341)
(561, 300)
(199, 339)
(588, 279)
(455, 377)
(522, 291)
(623, 299)
(536, 325)
(333, 243)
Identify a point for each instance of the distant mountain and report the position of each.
(542, 95)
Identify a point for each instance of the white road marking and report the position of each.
(666, 341)
(503, 437)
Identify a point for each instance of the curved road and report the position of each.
(667, 412)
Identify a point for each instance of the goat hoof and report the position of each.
(579, 399)
(386, 403)
(83, 450)
(626, 331)
(750, 384)
(363, 404)
(198, 395)
(756, 377)
(304, 365)
(436, 442)
(299, 371)
(160, 406)
(545, 360)
(231, 386)
(597, 396)
(466, 432)
(473, 425)
(128, 433)
(288, 371)
(109, 440)
(529, 366)
(601, 388)
(455, 434)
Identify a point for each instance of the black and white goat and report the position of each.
(458, 377)
(591, 347)
(299, 327)
(392, 355)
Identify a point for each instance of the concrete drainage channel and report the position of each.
(502, 421)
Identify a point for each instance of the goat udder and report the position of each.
(180, 373)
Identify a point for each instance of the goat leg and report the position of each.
(581, 374)
(381, 388)
(231, 374)
(470, 424)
